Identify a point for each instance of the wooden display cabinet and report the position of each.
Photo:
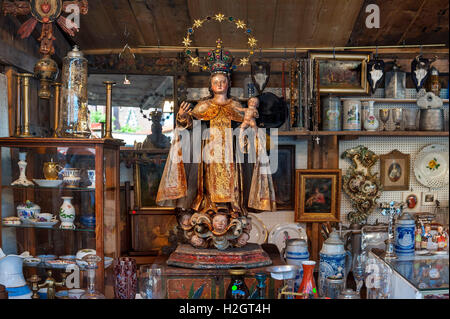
(101, 201)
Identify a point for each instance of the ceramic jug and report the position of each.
(334, 259)
(11, 276)
(295, 252)
(371, 122)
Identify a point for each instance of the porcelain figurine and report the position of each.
(371, 122)
(67, 213)
(22, 180)
(426, 235)
(334, 259)
(441, 238)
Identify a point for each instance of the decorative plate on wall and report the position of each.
(259, 232)
(431, 166)
(281, 232)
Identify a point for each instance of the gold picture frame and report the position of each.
(147, 176)
(343, 73)
(395, 171)
(318, 193)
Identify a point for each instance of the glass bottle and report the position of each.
(237, 289)
(74, 120)
(91, 292)
(261, 286)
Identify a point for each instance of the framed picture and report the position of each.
(429, 198)
(148, 170)
(284, 178)
(151, 233)
(317, 195)
(412, 200)
(394, 171)
(344, 73)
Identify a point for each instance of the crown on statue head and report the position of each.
(219, 60)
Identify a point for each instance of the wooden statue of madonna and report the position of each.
(208, 176)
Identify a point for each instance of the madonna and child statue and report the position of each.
(216, 173)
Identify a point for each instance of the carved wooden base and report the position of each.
(249, 256)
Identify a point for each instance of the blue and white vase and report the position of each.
(404, 236)
(334, 260)
(295, 253)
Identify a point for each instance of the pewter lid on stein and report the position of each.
(348, 294)
(75, 53)
(405, 216)
(334, 239)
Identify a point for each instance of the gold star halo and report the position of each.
(240, 24)
(219, 17)
(187, 42)
(198, 23)
(244, 61)
(195, 61)
(252, 42)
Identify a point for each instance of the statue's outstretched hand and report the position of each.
(184, 108)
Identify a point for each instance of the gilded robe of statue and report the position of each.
(217, 185)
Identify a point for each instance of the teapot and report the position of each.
(334, 259)
(11, 275)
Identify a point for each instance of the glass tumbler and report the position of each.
(410, 119)
(151, 282)
(333, 287)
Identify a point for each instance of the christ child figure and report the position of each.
(250, 114)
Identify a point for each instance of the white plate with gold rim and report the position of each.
(431, 166)
(281, 232)
(259, 232)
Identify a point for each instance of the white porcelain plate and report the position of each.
(37, 223)
(259, 232)
(48, 182)
(281, 232)
(431, 166)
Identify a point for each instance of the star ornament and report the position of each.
(219, 17)
(240, 24)
(187, 42)
(198, 23)
(195, 61)
(243, 61)
(252, 42)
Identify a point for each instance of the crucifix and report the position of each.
(46, 12)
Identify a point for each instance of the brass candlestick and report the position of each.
(34, 280)
(18, 130)
(26, 104)
(108, 118)
(57, 101)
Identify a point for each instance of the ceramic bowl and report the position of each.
(63, 294)
(70, 172)
(31, 261)
(88, 221)
(45, 258)
(48, 182)
(26, 213)
(283, 272)
(68, 257)
(45, 217)
(75, 293)
(71, 181)
(84, 252)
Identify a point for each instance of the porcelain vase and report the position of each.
(67, 213)
(371, 122)
(308, 285)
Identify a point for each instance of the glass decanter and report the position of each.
(91, 293)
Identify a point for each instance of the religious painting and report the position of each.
(412, 201)
(148, 171)
(317, 194)
(284, 177)
(46, 10)
(344, 73)
(153, 234)
(394, 171)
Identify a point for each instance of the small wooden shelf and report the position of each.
(363, 133)
(387, 100)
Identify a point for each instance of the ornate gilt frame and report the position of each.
(395, 154)
(300, 178)
(362, 57)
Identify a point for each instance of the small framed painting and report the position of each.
(317, 194)
(412, 201)
(429, 198)
(284, 177)
(342, 72)
(394, 171)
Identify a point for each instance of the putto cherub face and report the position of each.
(253, 102)
(220, 222)
(197, 241)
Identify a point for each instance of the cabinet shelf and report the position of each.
(75, 189)
(363, 133)
(25, 226)
(388, 100)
